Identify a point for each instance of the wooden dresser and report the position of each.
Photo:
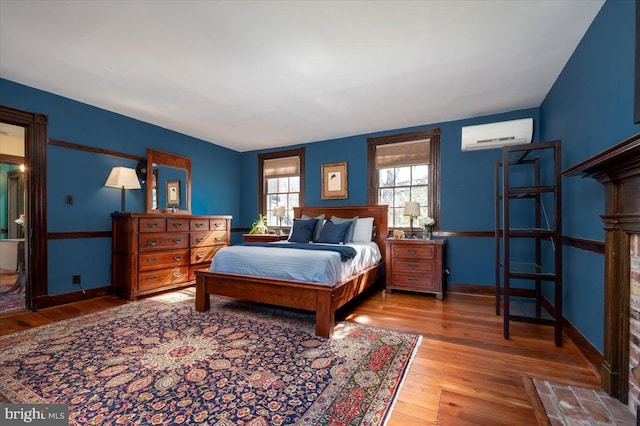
(415, 265)
(155, 252)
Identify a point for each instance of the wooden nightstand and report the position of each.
(263, 238)
(415, 265)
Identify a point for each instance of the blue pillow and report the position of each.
(351, 222)
(320, 218)
(303, 230)
(333, 233)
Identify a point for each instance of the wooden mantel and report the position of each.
(618, 169)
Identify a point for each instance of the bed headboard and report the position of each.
(378, 213)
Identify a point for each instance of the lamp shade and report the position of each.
(412, 209)
(279, 211)
(124, 178)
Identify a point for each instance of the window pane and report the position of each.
(294, 200)
(401, 196)
(420, 194)
(294, 184)
(283, 184)
(403, 176)
(419, 174)
(386, 177)
(386, 197)
(272, 185)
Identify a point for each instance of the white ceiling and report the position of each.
(256, 74)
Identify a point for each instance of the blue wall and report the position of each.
(215, 178)
(590, 108)
(467, 189)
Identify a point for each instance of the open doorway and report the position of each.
(13, 276)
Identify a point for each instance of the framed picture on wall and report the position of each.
(173, 193)
(334, 181)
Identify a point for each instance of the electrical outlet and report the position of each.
(76, 280)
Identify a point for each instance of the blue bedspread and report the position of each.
(346, 252)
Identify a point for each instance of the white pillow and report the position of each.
(363, 230)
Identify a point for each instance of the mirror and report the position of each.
(168, 183)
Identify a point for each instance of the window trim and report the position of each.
(434, 167)
(299, 152)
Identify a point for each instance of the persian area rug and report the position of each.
(159, 361)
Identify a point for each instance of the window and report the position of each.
(403, 168)
(282, 184)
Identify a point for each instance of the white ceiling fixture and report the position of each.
(257, 74)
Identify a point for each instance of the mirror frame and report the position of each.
(171, 160)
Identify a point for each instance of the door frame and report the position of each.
(35, 175)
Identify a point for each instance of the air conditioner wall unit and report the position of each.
(497, 135)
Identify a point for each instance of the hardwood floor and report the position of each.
(464, 372)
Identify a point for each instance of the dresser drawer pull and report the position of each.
(413, 280)
(217, 225)
(178, 240)
(152, 259)
(412, 251)
(177, 257)
(152, 277)
(177, 274)
(412, 266)
(218, 238)
(178, 224)
(200, 239)
(199, 225)
(200, 255)
(152, 242)
(153, 225)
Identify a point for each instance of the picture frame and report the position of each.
(173, 193)
(334, 181)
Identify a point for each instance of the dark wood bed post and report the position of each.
(325, 316)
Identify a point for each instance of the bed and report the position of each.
(324, 300)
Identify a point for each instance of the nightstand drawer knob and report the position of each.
(200, 239)
(178, 225)
(218, 238)
(178, 240)
(153, 225)
(177, 257)
(199, 225)
(152, 242)
(177, 274)
(200, 255)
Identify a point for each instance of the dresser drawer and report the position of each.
(204, 254)
(218, 225)
(211, 238)
(411, 251)
(176, 225)
(199, 224)
(172, 240)
(153, 225)
(417, 282)
(412, 266)
(163, 277)
(164, 259)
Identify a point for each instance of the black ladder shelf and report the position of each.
(523, 230)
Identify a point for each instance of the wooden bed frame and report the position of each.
(322, 299)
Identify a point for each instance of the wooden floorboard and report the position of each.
(464, 373)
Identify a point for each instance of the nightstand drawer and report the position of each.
(167, 240)
(416, 282)
(153, 225)
(413, 251)
(413, 266)
(163, 277)
(203, 254)
(165, 259)
(200, 239)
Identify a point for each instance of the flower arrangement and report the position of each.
(20, 220)
(428, 224)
